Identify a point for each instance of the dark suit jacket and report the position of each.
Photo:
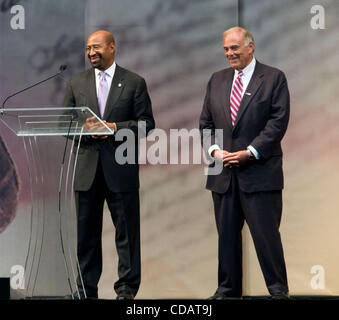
(128, 102)
(261, 122)
(9, 187)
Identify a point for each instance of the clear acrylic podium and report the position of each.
(46, 239)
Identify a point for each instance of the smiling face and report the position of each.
(100, 50)
(237, 52)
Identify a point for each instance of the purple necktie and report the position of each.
(102, 92)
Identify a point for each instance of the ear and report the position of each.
(112, 46)
(251, 46)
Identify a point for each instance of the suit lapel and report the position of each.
(91, 93)
(226, 88)
(117, 86)
(251, 89)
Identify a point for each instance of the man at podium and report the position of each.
(121, 99)
(9, 187)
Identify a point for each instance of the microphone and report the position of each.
(62, 68)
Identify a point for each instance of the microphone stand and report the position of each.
(62, 68)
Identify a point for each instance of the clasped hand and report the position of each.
(231, 159)
(92, 124)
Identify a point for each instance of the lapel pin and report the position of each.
(119, 84)
(248, 93)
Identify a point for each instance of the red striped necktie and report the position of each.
(236, 96)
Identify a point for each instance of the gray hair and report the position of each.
(247, 35)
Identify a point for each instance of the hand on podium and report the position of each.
(92, 124)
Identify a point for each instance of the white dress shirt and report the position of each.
(109, 76)
(247, 75)
(246, 78)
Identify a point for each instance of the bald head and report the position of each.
(100, 48)
(104, 35)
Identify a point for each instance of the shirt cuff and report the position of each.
(212, 148)
(254, 151)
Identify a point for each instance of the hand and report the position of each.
(221, 156)
(237, 159)
(110, 125)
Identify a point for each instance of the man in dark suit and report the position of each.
(9, 187)
(250, 103)
(121, 99)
